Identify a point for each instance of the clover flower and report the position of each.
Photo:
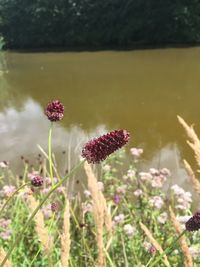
(100, 148)
(193, 224)
(54, 110)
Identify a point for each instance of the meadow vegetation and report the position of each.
(122, 216)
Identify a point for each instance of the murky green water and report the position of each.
(141, 91)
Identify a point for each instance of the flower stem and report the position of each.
(19, 236)
(11, 197)
(50, 154)
(168, 250)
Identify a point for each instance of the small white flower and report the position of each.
(3, 164)
(87, 207)
(183, 219)
(121, 189)
(145, 176)
(100, 186)
(158, 181)
(195, 252)
(136, 152)
(162, 218)
(129, 230)
(154, 171)
(156, 202)
(8, 190)
(106, 168)
(138, 193)
(177, 189)
(119, 218)
(147, 245)
(131, 173)
(87, 193)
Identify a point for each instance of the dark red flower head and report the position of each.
(193, 224)
(100, 148)
(55, 110)
(37, 181)
(54, 206)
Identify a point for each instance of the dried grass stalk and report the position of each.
(182, 241)
(65, 238)
(107, 215)
(2, 256)
(99, 207)
(40, 228)
(194, 142)
(195, 181)
(154, 243)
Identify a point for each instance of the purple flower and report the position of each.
(116, 199)
(99, 149)
(193, 224)
(37, 181)
(55, 110)
(54, 206)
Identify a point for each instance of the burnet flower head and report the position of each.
(193, 224)
(54, 110)
(37, 181)
(100, 148)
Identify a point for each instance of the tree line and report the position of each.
(98, 23)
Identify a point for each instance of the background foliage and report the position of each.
(93, 23)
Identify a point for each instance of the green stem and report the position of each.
(19, 236)
(50, 154)
(11, 197)
(168, 250)
(35, 257)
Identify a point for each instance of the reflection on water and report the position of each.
(23, 130)
(141, 91)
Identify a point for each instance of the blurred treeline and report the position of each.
(98, 23)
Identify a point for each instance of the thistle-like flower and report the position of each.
(37, 181)
(54, 110)
(99, 149)
(193, 224)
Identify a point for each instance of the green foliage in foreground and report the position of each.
(133, 197)
(94, 23)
